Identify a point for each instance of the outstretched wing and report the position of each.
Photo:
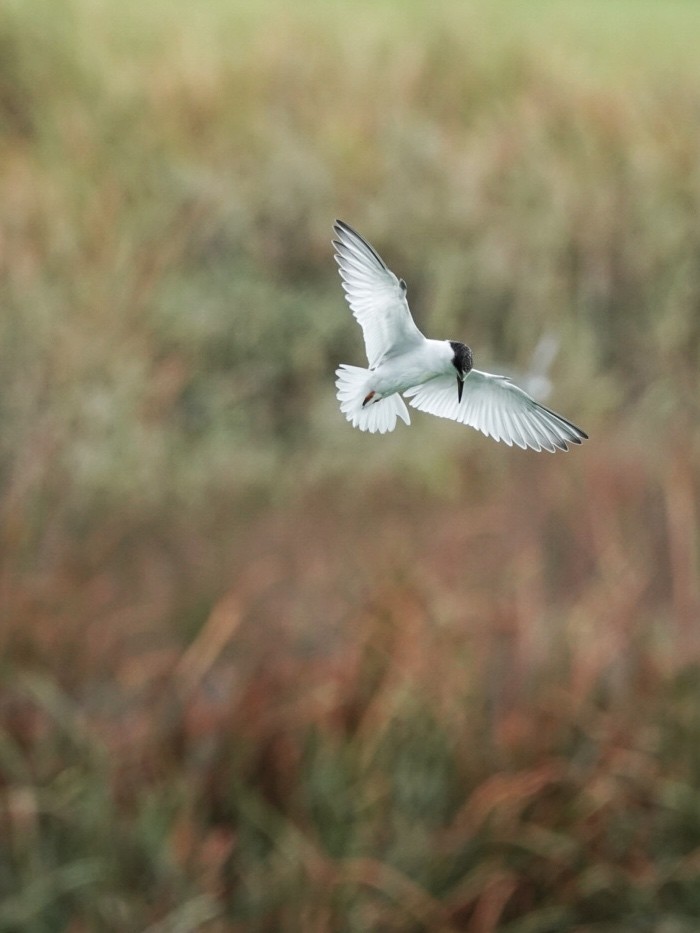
(497, 408)
(375, 295)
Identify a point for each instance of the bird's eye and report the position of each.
(402, 285)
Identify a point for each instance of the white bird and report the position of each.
(404, 362)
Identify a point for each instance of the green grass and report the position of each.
(260, 671)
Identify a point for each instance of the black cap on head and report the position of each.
(462, 359)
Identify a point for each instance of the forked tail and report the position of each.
(376, 416)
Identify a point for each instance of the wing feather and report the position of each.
(499, 409)
(375, 296)
(518, 433)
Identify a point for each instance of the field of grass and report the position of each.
(262, 672)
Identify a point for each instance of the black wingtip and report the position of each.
(579, 432)
(341, 228)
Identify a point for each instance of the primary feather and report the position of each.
(375, 296)
(497, 408)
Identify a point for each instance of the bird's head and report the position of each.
(462, 361)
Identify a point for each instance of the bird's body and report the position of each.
(401, 372)
(437, 376)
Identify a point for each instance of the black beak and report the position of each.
(460, 387)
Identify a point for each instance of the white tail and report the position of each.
(375, 417)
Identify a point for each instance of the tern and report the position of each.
(436, 376)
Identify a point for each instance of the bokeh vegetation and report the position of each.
(259, 671)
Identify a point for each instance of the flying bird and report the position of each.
(436, 376)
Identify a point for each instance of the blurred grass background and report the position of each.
(259, 671)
